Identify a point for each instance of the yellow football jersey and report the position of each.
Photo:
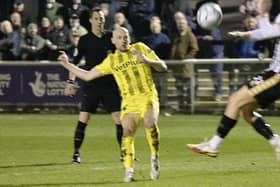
(134, 78)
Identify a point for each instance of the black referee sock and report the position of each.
(119, 133)
(262, 128)
(79, 135)
(226, 124)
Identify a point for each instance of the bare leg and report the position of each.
(237, 101)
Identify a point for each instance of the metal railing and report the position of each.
(194, 63)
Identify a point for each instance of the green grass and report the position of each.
(35, 150)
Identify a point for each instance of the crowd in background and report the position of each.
(168, 27)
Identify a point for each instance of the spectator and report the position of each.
(10, 43)
(53, 9)
(120, 5)
(160, 43)
(16, 21)
(249, 7)
(46, 28)
(210, 47)
(157, 40)
(45, 31)
(179, 15)
(19, 7)
(31, 43)
(139, 15)
(155, 19)
(184, 46)
(73, 51)
(77, 31)
(81, 10)
(76, 28)
(18, 29)
(105, 7)
(60, 39)
(121, 20)
(170, 7)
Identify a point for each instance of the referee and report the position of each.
(94, 47)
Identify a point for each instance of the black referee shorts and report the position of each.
(265, 87)
(109, 98)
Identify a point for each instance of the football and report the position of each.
(209, 15)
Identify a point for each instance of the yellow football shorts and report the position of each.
(139, 104)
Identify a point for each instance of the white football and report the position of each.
(209, 15)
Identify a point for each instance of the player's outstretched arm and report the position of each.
(82, 74)
(267, 32)
(239, 35)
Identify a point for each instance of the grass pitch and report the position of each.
(36, 151)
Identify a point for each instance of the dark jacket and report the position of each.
(10, 46)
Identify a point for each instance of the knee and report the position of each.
(149, 123)
(248, 119)
(128, 131)
(248, 116)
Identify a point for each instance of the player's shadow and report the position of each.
(32, 165)
(70, 184)
(43, 164)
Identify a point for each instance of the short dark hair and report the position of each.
(18, 2)
(95, 9)
(74, 16)
(59, 17)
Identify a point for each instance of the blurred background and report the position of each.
(33, 31)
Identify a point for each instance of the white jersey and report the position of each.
(267, 31)
(275, 65)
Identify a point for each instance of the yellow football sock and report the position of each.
(128, 151)
(153, 136)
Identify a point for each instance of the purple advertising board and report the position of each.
(34, 83)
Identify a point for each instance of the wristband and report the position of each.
(69, 81)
